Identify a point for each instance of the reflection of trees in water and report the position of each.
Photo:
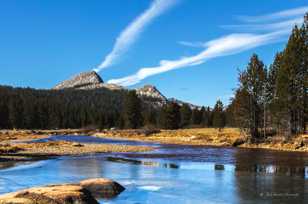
(136, 168)
(75, 168)
(271, 169)
(279, 183)
(144, 163)
(79, 167)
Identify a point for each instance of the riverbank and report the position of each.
(227, 137)
(14, 145)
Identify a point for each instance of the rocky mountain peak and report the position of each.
(91, 80)
(150, 91)
(83, 80)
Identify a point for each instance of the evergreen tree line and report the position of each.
(174, 116)
(25, 108)
(273, 100)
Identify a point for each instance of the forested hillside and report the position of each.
(45, 109)
(25, 108)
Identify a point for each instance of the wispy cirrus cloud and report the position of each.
(289, 13)
(133, 30)
(191, 44)
(282, 25)
(227, 45)
(276, 21)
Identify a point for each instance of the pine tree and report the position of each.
(218, 115)
(271, 109)
(16, 112)
(185, 115)
(291, 83)
(205, 117)
(304, 117)
(210, 117)
(229, 116)
(252, 92)
(196, 116)
(30, 116)
(150, 116)
(54, 116)
(133, 115)
(240, 107)
(170, 116)
(4, 113)
(272, 76)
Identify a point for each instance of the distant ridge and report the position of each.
(91, 80)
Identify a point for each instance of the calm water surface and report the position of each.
(175, 174)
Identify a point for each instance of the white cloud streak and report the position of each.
(267, 27)
(133, 30)
(290, 13)
(191, 44)
(227, 45)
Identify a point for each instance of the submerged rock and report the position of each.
(83, 193)
(102, 188)
(219, 167)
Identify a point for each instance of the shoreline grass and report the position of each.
(13, 141)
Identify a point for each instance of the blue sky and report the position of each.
(45, 42)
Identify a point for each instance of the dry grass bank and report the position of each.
(60, 148)
(13, 146)
(194, 136)
(212, 137)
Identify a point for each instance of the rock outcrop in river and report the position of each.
(84, 192)
(102, 187)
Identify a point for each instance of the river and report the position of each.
(175, 174)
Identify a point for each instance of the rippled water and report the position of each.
(176, 174)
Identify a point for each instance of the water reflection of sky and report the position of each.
(191, 181)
